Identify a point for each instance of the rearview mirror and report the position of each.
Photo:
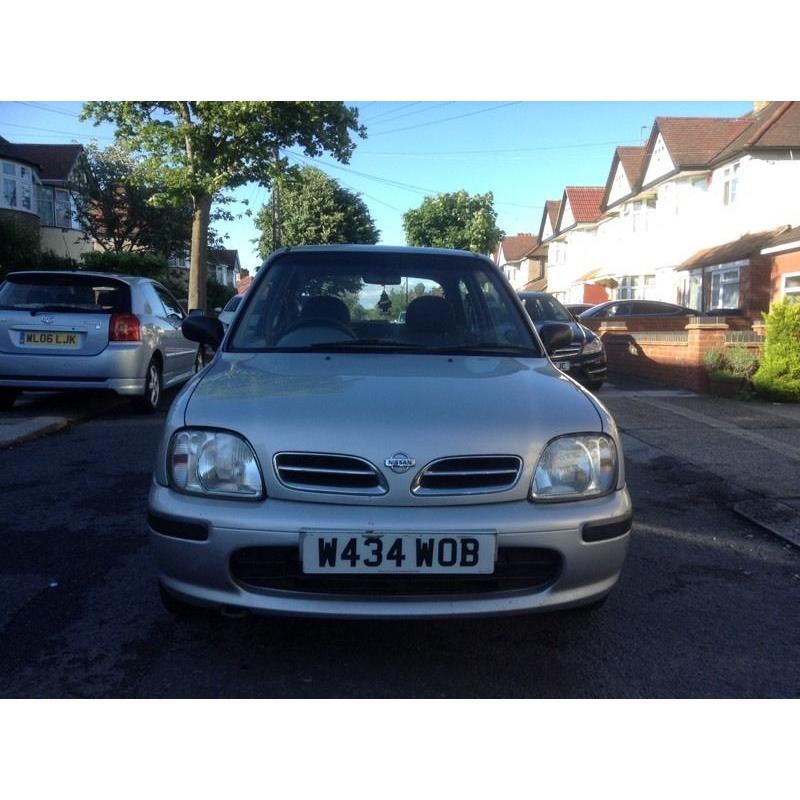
(555, 335)
(203, 329)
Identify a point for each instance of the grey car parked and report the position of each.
(334, 460)
(88, 330)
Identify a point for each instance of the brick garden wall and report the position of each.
(673, 357)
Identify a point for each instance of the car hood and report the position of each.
(375, 405)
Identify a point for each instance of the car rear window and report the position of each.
(54, 292)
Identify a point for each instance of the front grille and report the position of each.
(468, 475)
(326, 472)
(519, 569)
(566, 352)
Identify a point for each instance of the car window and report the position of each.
(233, 303)
(543, 308)
(171, 305)
(416, 302)
(65, 292)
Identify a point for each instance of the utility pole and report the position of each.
(277, 236)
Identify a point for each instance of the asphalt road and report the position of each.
(707, 605)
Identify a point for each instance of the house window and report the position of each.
(46, 209)
(702, 183)
(730, 184)
(791, 287)
(63, 209)
(690, 290)
(725, 288)
(9, 193)
(17, 187)
(636, 287)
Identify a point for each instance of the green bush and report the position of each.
(743, 362)
(778, 376)
(19, 242)
(143, 265)
(716, 361)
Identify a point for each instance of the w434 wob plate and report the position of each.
(401, 553)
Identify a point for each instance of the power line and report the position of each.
(392, 111)
(45, 108)
(448, 119)
(51, 130)
(408, 187)
(418, 111)
(427, 153)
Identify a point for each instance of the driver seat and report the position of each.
(325, 306)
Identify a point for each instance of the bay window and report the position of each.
(724, 288)
(17, 187)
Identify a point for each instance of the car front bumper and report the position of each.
(119, 368)
(199, 571)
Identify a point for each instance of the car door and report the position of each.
(179, 352)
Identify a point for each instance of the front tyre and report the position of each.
(594, 386)
(148, 402)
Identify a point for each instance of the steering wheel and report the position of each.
(320, 322)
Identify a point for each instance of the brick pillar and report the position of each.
(759, 327)
(703, 336)
(614, 335)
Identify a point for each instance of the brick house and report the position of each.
(39, 183)
(522, 261)
(573, 268)
(700, 190)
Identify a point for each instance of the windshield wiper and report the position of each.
(490, 347)
(357, 344)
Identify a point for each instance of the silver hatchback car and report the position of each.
(340, 459)
(89, 330)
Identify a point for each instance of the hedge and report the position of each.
(778, 376)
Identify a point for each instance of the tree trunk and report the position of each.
(198, 272)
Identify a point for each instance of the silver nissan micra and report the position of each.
(382, 434)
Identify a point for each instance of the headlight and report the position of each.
(593, 346)
(213, 463)
(575, 467)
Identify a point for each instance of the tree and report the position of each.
(200, 148)
(454, 220)
(315, 209)
(124, 213)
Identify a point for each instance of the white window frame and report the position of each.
(725, 269)
(23, 178)
(634, 287)
(730, 184)
(794, 291)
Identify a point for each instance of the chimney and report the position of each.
(760, 105)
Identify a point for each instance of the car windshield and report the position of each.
(544, 308)
(49, 292)
(381, 301)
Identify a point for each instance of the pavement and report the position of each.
(752, 446)
(36, 414)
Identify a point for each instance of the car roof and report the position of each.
(377, 248)
(82, 273)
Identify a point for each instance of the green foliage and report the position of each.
(197, 149)
(315, 209)
(124, 211)
(743, 361)
(778, 376)
(19, 242)
(141, 264)
(218, 295)
(455, 220)
(715, 361)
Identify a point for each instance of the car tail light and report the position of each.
(124, 328)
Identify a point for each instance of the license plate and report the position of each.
(48, 339)
(563, 366)
(397, 553)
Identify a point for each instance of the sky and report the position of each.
(522, 152)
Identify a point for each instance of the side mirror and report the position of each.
(555, 335)
(203, 329)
